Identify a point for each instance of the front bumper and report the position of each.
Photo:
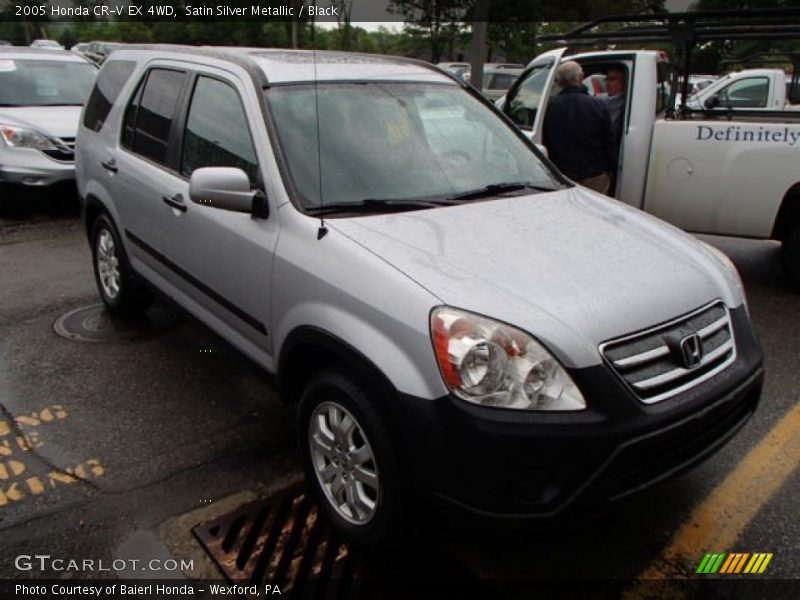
(27, 166)
(524, 465)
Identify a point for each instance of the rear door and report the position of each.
(526, 101)
(144, 165)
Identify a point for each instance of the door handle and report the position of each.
(175, 202)
(110, 165)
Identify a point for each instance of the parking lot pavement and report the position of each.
(103, 443)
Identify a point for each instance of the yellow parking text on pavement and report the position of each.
(17, 441)
(717, 523)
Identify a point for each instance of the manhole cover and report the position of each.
(284, 541)
(95, 324)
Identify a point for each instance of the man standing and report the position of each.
(578, 133)
(615, 86)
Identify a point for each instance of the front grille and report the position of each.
(654, 364)
(65, 149)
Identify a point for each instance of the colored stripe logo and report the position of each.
(734, 563)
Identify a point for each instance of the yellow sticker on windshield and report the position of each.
(399, 129)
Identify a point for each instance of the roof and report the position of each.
(299, 66)
(27, 53)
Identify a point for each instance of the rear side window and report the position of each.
(217, 134)
(662, 89)
(503, 81)
(110, 81)
(149, 117)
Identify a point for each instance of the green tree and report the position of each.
(433, 21)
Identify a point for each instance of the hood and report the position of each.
(52, 121)
(571, 267)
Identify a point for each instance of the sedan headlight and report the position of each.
(492, 364)
(19, 137)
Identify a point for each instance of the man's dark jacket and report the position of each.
(578, 134)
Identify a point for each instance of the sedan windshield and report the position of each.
(383, 143)
(44, 82)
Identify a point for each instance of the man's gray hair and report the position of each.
(570, 73)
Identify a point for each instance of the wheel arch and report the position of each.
(92, 208)
(308, 350)
(788, 214)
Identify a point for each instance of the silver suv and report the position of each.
(458, 322)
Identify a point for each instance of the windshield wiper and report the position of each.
(495, 189)
(374, 205)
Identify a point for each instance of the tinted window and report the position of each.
(109, 84)
(130, 117)
(149, 118)
(217, 134)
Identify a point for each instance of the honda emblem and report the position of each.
(691, 351)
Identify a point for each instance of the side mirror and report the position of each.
(712, 102)
(226, 188)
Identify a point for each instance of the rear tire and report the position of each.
(791, 255)
(349, 461)
(123, 295)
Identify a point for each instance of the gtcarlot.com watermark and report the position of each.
(45, 562)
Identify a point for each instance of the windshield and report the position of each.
(396, 141)
(44, 82)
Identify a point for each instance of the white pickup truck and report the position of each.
(752, 89)
(719, 172)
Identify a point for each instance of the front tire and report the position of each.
(348, 459)
(122, 294)
(791, 255)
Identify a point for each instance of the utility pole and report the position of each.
(478, 47)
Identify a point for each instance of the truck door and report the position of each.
(526, 101)
(719, 176)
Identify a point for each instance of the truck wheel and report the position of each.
(791, 255)
(122, 294)
(348, 459)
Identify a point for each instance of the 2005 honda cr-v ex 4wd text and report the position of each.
(459, 323)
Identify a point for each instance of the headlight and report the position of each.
(19, 137)
(492, 364)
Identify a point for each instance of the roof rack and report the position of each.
(776, 23)
(685, 30)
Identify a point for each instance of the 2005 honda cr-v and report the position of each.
(456, 319)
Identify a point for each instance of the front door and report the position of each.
(222, 260)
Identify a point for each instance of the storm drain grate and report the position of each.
(94, 324)
(285, 541)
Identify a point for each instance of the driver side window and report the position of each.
(745, 93)
(217, 133)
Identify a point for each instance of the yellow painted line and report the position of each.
(718, 521)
